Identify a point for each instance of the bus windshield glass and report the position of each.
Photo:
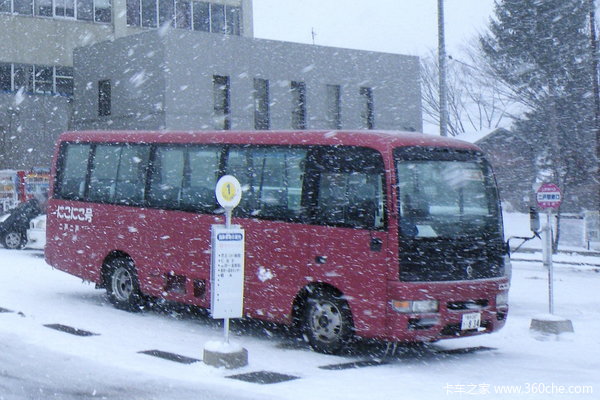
(446, 199)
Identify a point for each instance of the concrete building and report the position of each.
(177, 80)
(37, 38)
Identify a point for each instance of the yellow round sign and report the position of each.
(228, 192)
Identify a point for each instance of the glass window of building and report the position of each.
(5, 77)
(367, 114)
(5, 6)
(298, 92)
(221, 100)
(233, 18)
(217, 18)
(64, 81)
(104, 98)
(103, 11)
(23, 77)
(201, 12)
(23, 7)
(85, 10)
(64, 8)
(261, 104)
(149, 10)
(183, 14)
(133, 12)
(43, 8)
(166, 12)
(43, 79)
(334, 106)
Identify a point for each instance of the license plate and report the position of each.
(470, 321)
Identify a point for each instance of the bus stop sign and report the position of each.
(549, 196)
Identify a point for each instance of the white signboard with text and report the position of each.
(227, 272)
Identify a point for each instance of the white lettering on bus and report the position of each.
(74, 213)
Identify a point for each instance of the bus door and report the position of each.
(349, 246)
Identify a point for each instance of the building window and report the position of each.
(217, 18)
(43, 79)
(103, 11)
(201, 14)
(43, 8)
(133, 12)
(334, 106)
(64, 8)
(23, 7)
(298, 92)
(185, 14)
(221, 98)
(104, 98)
(149, 9)
(64, 81)
(23, 77)
(5, 77)
(85, 10)
(261, 104)
(367, 114)
(5, 6)
(36, 79)
(166, 12)
(233, 20)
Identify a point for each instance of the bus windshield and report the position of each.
(445, 198)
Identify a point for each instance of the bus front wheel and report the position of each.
(327, 323)
(122, 285)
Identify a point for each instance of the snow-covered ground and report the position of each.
(41, 363)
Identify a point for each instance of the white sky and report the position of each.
(395, 26)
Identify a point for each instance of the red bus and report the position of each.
(386, 235)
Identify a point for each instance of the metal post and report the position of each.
(226, 329)
(228, 212)
(547, 255)
(442, 71)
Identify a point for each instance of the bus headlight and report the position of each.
(502, 299)
(415, 306)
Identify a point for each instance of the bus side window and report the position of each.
(74, 166)
(271, 179)
(103, 177)
(131, 177)
(198, 192)
(167, 177)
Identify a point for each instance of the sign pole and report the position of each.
(549, 197)
(228, 212)
(548, 260)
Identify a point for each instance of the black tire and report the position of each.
(122, 285)
(327, 322)
(13, 240)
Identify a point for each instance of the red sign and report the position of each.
(549, 196)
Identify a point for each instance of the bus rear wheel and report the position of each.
(122, 285)
(327, 323)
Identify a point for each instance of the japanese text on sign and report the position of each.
(227, 272)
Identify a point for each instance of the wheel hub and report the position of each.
(122, 284)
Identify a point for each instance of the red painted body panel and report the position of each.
(281, 257)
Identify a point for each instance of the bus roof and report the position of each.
(369, 138)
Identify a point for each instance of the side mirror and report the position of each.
(534, 220)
